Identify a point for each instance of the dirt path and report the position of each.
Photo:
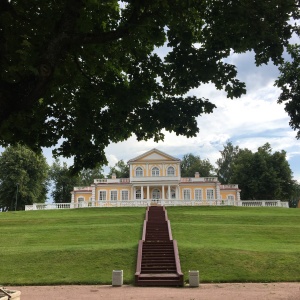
(227, 291)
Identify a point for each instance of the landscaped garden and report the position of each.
(83, 246)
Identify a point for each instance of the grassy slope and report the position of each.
(85, 245)
(69, 246)
(238, 244)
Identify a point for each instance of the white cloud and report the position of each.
(248, 122)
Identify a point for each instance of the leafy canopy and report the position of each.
(262, 174)
(190, 164)
(84, 73)
(289, 82)
(120, 169)
(23, 178)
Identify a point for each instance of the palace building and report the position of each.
(155, 177)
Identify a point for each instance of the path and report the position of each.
(226, 291)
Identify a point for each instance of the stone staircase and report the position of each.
(158, 261)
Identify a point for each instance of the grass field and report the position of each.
(83, 246)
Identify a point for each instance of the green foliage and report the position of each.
(121, 169)
(190, 164)
(295, 198)
(88, 71)
(83, 246)
(63, 182)
(288, 81)
(262, 174)
(224, 163)
(23, 178)
(87, 176)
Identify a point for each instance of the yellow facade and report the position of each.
(155, 176)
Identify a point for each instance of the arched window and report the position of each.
(155, 171)
(80, 199)
(230, 197)
(139, 172)
(170, 171)
(155, 194)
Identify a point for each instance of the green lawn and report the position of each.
(83, 246)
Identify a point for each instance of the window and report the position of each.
(113, 195)
(170, 171)
(125, 195)
(210, 194)
(139, 172)
(198, 194)
(138, 194)
(230, 197)
(186, 194)
(80, 201)
(155, 194)
(155, 171)
(102, 195)
(173, 194)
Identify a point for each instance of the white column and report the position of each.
(163, 192)
(148, 196)
(142, 192)
(131, 193)
(218, 192)
(169, 192)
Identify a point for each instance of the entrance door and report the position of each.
(156, 194)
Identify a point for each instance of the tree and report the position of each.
(23, 178)
(295, 198)
(121, 169)
(190, 164)
(87, 73)
(224, 163)
(87, 176)
(289, 83)
(63, 182)
(263, 174)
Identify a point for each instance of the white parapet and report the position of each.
(164, 202)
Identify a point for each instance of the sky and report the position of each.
(248, 122)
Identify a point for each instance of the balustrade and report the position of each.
(165, 202)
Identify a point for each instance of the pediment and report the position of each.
(153, 155)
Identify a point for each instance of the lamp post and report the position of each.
(17, 197)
